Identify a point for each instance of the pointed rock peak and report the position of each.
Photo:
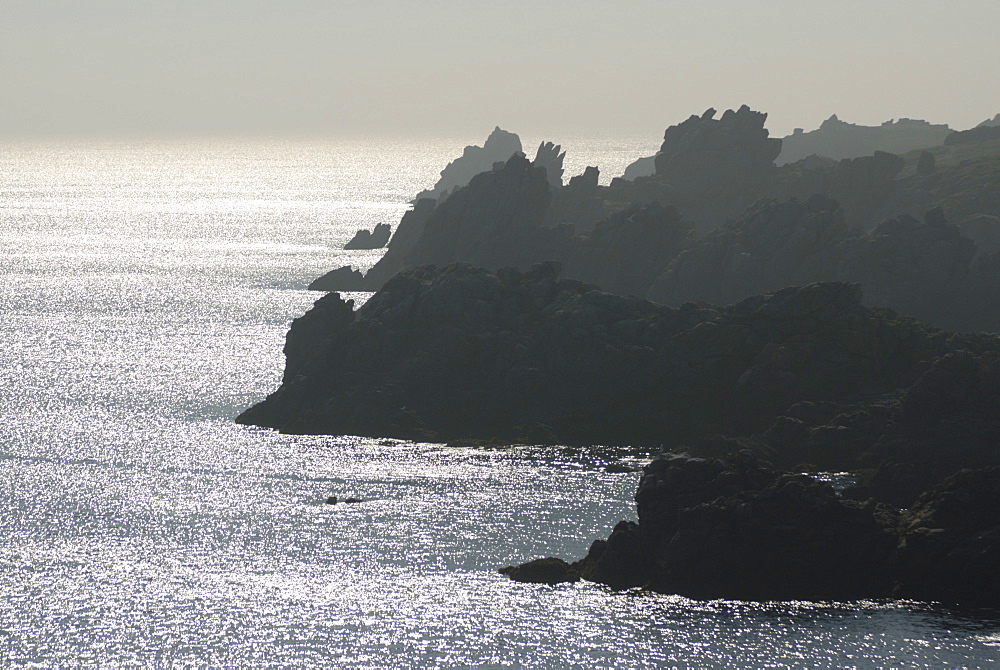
(708, 114)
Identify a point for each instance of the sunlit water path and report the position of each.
(146, 291)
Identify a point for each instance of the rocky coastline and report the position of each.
(720, 221)
(750, 322)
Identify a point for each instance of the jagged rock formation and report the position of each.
(735, 528)
(709, 171)
(773, 245)
(838, 140)
(717, 166)
(549, 157)
(496, 220)
(499, 146)
(375, 239)
(579, 204)
(624, 253)
(865, 187)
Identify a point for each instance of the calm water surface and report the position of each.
(146, 291)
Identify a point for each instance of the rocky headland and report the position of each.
(737, 528)
(753, 322)
(745, 396)
(809, 377)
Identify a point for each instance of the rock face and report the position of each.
(496, 220)
(949, 547)
(376, 239)
(865, 187)
(625, 252)
(838, 140)
(737, 528)
(727, 161)
(498, 147)
(995, 121)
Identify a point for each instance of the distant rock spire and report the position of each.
(549, 157)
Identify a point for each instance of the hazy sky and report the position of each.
(539, 68)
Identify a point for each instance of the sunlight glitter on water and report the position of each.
(146, 304)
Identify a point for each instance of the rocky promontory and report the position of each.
(736, 528)
(810, 374)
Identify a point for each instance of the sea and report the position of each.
(147, 286)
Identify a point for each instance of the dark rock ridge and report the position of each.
(375, 239)
(808, 375)
(737, 528)
(837, 139)
(499, 146)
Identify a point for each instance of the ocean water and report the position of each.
(147, 288)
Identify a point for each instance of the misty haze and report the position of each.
(436, 335)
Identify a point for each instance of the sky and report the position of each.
(542, 68)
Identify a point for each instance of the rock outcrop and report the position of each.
(343, 278)
(865, 187)
(374, 239)
(713, 168)
(549, 157)
(735, 528)
(640, 167)
(838, 140)
(498, 147)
